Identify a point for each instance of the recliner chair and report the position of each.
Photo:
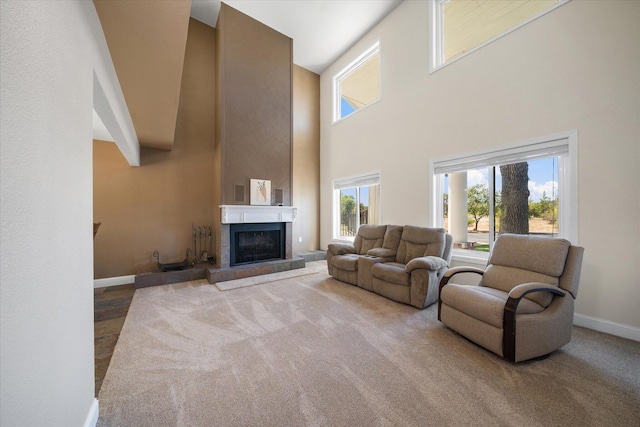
(523, 306)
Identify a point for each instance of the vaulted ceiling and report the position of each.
(147, 41)
(321, 30)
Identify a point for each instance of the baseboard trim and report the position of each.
(606, 326)
(114, 281)
(92, 416)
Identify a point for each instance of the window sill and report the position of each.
(342, 240)
(470, 257)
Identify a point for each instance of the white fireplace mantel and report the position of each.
(240, 214)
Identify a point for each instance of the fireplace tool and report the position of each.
(210, 258)
(202, 237)
(193, 235)
(171, 266)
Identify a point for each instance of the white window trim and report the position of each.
(370, 178)
(353, 66)
(436, 33)
(567, 186)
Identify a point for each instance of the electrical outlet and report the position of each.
(300, 239)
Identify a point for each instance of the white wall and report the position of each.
(574, 68)
(47, 369)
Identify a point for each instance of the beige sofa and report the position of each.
(402, 263)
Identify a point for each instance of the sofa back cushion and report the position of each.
(369, 237)
(540, 254)
(420, 241)
(517, 259)
(392, 237)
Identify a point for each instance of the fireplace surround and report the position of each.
(261, 217)
(232, 216)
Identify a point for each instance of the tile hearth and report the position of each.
(213, 275)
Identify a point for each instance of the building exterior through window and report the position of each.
(357, 85)
(527, 188)
(459, 27)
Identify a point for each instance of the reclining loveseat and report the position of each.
(402, 263)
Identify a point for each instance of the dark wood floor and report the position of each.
(111, 305)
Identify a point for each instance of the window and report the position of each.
(358, 85)
(356, 202)
(524, 188)
(459, 27)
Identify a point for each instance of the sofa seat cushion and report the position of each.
(392, 272)
(482, 303)
(348, 262)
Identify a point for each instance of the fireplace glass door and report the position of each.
(252, 243)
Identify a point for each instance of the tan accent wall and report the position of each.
(147, 44)
(153, 206)
(306, 159)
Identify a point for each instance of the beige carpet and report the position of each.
(313, 351)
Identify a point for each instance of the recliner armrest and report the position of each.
(509, 317)
(449, 274)
(382, 252)
(456, 270)
(519, 291)
(464, 269)
(341, 248)
(432, 263)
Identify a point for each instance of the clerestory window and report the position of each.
(524, 188)
(357, 85)
(459, 27)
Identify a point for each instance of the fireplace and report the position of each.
(254, 240)
(253, 219)
(260, 242)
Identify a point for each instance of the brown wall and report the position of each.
(153, 206)
(306, 159)
(255, 137)
(253, 112)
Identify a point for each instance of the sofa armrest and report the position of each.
(432, 263)
(382, 252)
(341, 248)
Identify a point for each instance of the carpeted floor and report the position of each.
(314, 351)
(311, 268)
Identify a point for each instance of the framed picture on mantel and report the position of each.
(260, 192)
